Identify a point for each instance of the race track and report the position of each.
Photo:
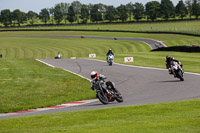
(138, 85)
(152, 43)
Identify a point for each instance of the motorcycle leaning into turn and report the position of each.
(106, 91)
(177, 70)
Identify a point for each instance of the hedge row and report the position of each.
(152, 32)
(179, 49)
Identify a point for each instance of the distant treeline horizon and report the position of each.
(76, 12)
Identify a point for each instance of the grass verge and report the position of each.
(181, 26)
(27, 84)
(173, 117)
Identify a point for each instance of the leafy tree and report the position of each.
(84, 14)
(96, 14)
(181, 10)
(58, 16)
(122, 13)
(77, 9)
(71, 15)
(110, 13)
(102, 10)
(196, 8)
(152, 10)
(167, 9)
(138, 11)
(90, 6)
(189, 7)
(64, 9)
(19, 16)
(44, 15)
(32, 16)
(51, 12)
(129, 8)
(6, 17)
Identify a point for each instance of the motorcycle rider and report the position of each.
(108, 53)
(59, 55)
(95, 77)
(168, 61)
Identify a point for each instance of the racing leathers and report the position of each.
(168, 63)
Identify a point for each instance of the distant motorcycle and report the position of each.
(106, 92)
(58, 56)
(110, 59)
(177, 70)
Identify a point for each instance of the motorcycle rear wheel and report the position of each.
(119, 97)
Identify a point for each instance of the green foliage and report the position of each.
(110, 14)
(32, 16)
(167, 9)
(58, 15)
(77, 9)
(6, 18)
(138, 11)
(84, 13)
(129, 8)
(95, 13)
(181, 10)
(19, 16)
(44, 15)
(152, 10)
(122, 13)
(196, 8)
(71, 14)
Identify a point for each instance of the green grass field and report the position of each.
(174, 117)
(28, 84)
(19, 54)
(182, 26)
(25, 84)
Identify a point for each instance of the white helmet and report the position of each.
(94, 75)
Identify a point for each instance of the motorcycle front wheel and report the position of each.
(102, 97)
(180, 75)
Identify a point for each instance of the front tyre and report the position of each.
(180, 75)
(102, 97)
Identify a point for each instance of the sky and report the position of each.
(37, 5)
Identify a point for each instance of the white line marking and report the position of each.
(45, 63)
(151, 68)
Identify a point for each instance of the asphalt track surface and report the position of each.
(138, 85)
(152, 43)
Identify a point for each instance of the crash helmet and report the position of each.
(94, 75)
(168, 57)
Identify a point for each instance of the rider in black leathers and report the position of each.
(168, 61)
(95, 78)
(108, 53)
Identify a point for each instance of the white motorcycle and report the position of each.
(110, 59)
(177, 70)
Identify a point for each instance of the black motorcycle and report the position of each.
(106, 92)
(177, 70)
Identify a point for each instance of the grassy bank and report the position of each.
(27, 84)
(168, 39)
(175, 117)
(44, 47)
(182, 26)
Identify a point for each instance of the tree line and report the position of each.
(81, 13)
